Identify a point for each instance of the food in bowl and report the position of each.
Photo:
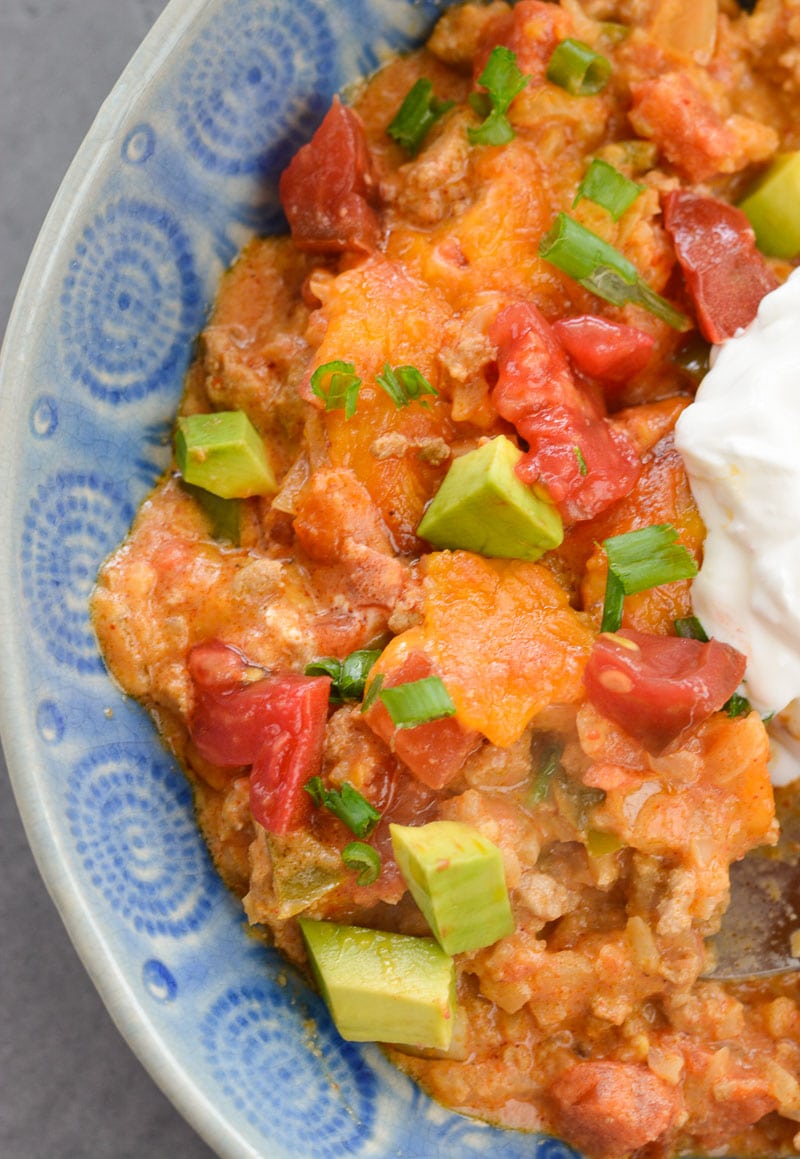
(413, 606)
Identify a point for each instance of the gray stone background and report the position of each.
(70, 1088)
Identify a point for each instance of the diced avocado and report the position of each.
(482, 506)
(383, 987)
(456, 877)
(773, 208)
(223, 453)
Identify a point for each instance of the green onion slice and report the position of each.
(417, 702)
(404, 384)
(495, 130)
(337, 384)
(364, 859)
(737, 705)
(606, 186)
(576, 67)
(326, 666)
(613, 603)
(503, 80)
(417, 115)
(347, 804)
(546, 752)
(639, 560)
(582, 467)
(372, 692)
(348, 676)
(598, 267)
(690, 628)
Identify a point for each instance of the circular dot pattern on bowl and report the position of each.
(248, 1036)
(130, 817)
(72, 521)
(129, 302)
(159, 981)
(247, 97)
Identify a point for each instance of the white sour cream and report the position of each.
(740, 442)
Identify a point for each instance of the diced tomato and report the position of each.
(725, 274)
(533, 368)
(656, 687)
(609, 351)
(435, 751)
(613, 1108)
(585, 464)
(584, 461)
(328, 189)
(274, 723)
(673, 112)
(290, 755)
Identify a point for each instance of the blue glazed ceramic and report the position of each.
(179, 170)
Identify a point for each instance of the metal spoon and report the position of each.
(763, 918)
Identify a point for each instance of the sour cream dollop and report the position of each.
(740, 442)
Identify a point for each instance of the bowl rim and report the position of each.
(84, 931)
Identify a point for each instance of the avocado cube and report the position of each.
(773, 208)
(456, 877)
(223, 453)
(383, 987)
(482, 506)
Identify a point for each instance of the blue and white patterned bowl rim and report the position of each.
(177, 172)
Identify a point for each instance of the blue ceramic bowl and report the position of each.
(178, 171)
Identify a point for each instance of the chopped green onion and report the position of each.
(606, 186)
(503, 80)
(404, 384)
(584, 470)
(547, 757)
(737, 705)
(598, 267)
(364, 859)
(417, 702)
(348, 676)
(337, 384)
(639, 560)
(648, 557)
(417, 115)
(372, 692)
(325, 666)
(576, 67)
(613, 603)
(496, 128)
(355, 669)
(347, 804)
(690, 628)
